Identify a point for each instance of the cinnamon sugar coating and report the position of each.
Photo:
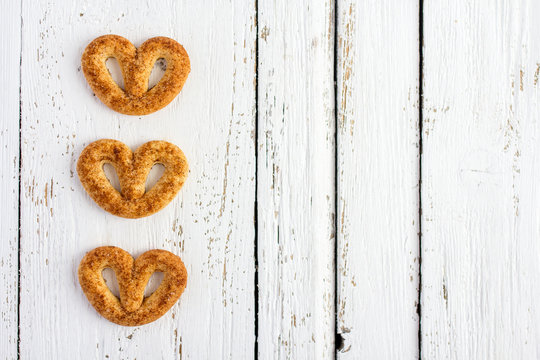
(136, 65)
(132, 169)
(132, 309)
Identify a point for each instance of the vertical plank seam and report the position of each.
(338, 338)
(420, 151)
(19, 194)
(256, 204)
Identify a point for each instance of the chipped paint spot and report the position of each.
(265, 32)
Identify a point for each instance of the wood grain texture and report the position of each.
(10, 42)
(209, 225)
(295, 191)
(481, 215)
(377, 154)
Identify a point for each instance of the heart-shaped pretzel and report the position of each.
(132, 309)
(132, 169)
(136, 65)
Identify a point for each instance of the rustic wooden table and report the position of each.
(363, 180)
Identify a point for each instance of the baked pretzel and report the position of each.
(132, 309)
(132, 169)
(136, 65)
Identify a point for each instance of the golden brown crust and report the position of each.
(132, 309)
(136, 65)
(132, 169)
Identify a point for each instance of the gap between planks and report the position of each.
(420, 150)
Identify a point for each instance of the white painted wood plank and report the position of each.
(481, 214)
(296, 180)
(377, 99)
(210, 224)
(10, 42)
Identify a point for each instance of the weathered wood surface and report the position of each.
(481, 215)
(210, 224)
(295, 180)
(300, 121)
(377, 186)
(10, 42)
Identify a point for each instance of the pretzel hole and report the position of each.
(110, 279)
(156, 172)
(112, 176)
(116, 71)
(157, 72)
(153, 283)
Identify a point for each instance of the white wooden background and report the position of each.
(363, 179)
